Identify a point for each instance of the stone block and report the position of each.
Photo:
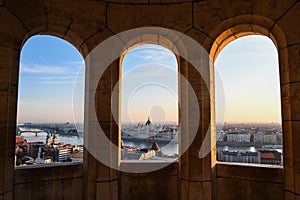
(295, 100)
(293, 52)
(199, 169)
(296, 170)
(107, 190)
(295, 138)
(129, 1)
(103, 191)
(286, 108)
(288, 174)
(251, 173)
(229, 189)
(76, 16)
(289, 25)
(203, 40)
(96, 39)
(156, 185)
(210, 16)
(58, 189)
(167, 1)
(288, 155)
(32, 13)
(12, 29)
(196, 190)
(283, 61)
(82, 24)
(57, 26)
(47, 174)
(8, 195)
(177, 17)
(200, 190)
(266, 190)
(76, 40)
(2, 174)
(289, 195)
(278, 36)
(271, 9)
(103, 172)
(90, 166)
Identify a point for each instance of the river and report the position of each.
(74, 140)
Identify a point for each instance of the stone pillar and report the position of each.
(9, 71)
(289, 61)
(195, 172)
(101, 181)
(290, 97)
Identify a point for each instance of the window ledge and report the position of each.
(250, 165)
(253, 172)
(140, 166)
(49, 172)
(34, 166)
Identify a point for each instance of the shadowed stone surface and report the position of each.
(213, 24)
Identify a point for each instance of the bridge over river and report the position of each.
(59, 129)
(21, 130)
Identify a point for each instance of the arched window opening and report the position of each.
(248, 115)
(50, 103)
(149, 102)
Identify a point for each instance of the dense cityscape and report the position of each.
(150, 141)
(48, 143)
(60, 143)
(250, 143)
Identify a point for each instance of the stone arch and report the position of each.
(111, 74)
(243, 25)
(173, 44)
(57, 31)
(249, 25)
(190, 166)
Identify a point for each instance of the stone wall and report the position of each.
(240, 181)
(49, 182)
(213, 24)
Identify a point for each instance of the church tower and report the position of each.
(48, 139)
(54, 139)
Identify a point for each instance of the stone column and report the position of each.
(101, 181)
(9, 71)
(289, 61)
(195, 172)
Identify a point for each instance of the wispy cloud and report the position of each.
(53, 75)
(75, 63)
(245, 54)
(58, 82)
(43, 69)
(58, 77)
(152, 53)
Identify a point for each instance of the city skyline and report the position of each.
(49, 67)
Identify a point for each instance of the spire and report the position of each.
(154, 146)
(148, 122)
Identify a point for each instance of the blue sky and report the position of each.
(48, 70)
(248, 69)
(149, 85)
